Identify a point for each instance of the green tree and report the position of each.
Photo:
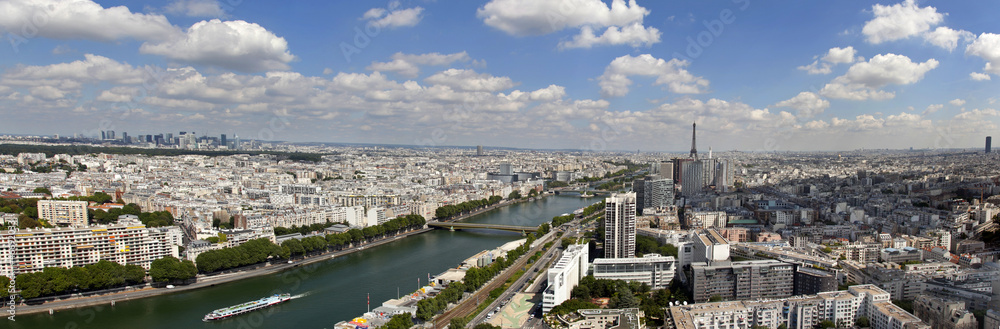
(715, 298)
(862, 322)
(400, 321)
(42, 190)
(294, 246)
(827, 324)
(170, 269)
(458, 322)
(514, 195)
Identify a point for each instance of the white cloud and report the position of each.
(196, 8)
(327, 71)
(548, 94)
(900, 21)
(621, 22)
(83, 19)
(957, 102)
(47, 92)
(863, 80)
(72, 75)
(234, 45)
(634, 35)
(835, 55)
(947, 38)
(979, 76)
(409, 64)
(394, 18)
(118, 94)
(987, 46)
(615, 81)
(807, 103)
(469, 80)
(933, 108)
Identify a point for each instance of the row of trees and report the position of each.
(304, 229)
(150, 219)
(259, 250)
(53, 281)
(467, 206)
(475, 278)
(170, 269)
(251, 252)
(428, 307)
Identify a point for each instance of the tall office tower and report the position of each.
(223, 141)
(125, 137)
(505, 168)
(619, 225)
(989, 142)
(639, 187)
(692, 177)
(236, 143)
(170, 138)
(708, 171)
(104, 135)
(694, 150)
(479, 150)
(723, 175)
(667, 170)
(659, 193)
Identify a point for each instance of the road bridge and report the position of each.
(465, 226)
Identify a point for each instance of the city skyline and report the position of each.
(584, 74)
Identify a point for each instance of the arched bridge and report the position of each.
(465, 226)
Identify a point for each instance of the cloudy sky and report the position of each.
(588, 74)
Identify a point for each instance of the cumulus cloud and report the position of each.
(933, 108)
(84, 19)
(808, 104)
(469, 80)
(409, 64)
(621, 23)
(863, 80)
(986, 46)
(236, 45)
(615, 81)
(947, 38)
(72, 75)
(393, 18)
(196, 8)
(900, 21)
(957, 102)
(634, 35)
(832, 57)
(979, 76)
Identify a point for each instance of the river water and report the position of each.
(324, 293)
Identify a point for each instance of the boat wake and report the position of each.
(300, 295)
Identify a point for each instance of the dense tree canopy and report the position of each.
(465, 207)
(53, 281)
(170, 269)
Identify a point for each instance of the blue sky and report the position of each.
(589, 74)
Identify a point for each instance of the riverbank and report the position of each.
(203, 282)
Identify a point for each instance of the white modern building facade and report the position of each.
(653, 269)
(565, 275)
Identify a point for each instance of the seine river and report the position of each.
(326, 292)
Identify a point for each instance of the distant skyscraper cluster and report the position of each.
(185, 140)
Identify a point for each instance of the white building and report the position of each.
(653, 269)
(63, 213)
(71, 246)
(565, 275)
(619, 226)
